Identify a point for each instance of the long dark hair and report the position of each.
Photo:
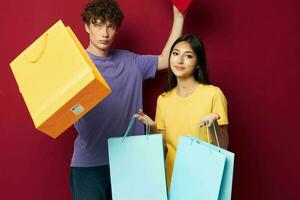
(200, 72)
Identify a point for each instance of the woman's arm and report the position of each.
(178, 20)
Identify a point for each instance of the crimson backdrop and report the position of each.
(252, 49)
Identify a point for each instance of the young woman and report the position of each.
(188, 101)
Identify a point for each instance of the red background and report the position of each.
(253, 49)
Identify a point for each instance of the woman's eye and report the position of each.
(189, 56)
(174, 53)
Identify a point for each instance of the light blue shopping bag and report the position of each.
(137, 167)
(201, 171)
(226, 185)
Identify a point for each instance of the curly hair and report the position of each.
(103, 10)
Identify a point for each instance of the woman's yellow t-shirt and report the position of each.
(182, 116)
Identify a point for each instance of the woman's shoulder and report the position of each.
(165, 96)
(212, 90)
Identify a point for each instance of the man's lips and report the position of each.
(104, 41)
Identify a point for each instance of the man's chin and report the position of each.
(104, 47)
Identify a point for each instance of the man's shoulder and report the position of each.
(121, 52)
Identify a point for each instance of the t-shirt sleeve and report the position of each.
(159, 119)
(220, 106)
(147, 65)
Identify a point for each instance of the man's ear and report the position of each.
(87, 28)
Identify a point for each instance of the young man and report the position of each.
(124, 72)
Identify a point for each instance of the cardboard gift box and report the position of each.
(58, 80)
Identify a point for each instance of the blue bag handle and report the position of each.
(133, 119)
(215, 132)
(207, 133)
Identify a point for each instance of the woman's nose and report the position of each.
(180, 59)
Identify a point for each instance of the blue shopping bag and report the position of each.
(226, 185)
(137, 167)
(201, 171)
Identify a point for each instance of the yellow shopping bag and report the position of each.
(58, 80)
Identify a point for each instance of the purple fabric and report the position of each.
(124, 72)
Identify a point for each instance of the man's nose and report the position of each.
(104, 32)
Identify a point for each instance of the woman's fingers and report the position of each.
(141, 112)
(209, 122)
(209, 119)
(202, 123)
(143, 118)
(138, 116)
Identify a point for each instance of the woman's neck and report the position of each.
(186, 87)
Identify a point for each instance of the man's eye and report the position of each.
(111, 27)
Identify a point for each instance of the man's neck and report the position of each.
(97, 52)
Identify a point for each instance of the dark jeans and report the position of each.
(90, 183)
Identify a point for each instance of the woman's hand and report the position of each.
(177, 13)
(221, 130)
(209, 119)
(141, 116)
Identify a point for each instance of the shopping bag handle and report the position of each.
(207, 132)
(34, 60)
(215, 132)
(133, 119)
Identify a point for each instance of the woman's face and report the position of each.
(183, 60)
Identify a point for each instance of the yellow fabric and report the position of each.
(58, 80)
(181, 116)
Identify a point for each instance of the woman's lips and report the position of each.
(179, 68)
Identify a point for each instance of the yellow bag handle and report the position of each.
(34, 60)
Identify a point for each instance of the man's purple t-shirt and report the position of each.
(124, 72)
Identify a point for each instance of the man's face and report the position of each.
(102, 34)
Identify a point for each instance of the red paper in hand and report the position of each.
(182, 5)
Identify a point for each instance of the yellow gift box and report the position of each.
(58, 80)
